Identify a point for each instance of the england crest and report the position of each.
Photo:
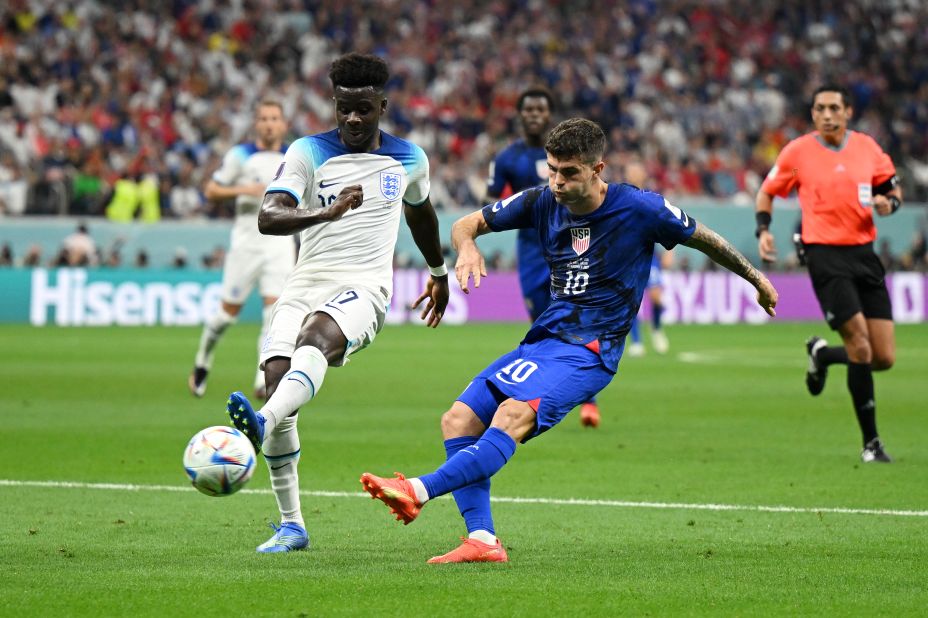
(580, 239)
(390, 185)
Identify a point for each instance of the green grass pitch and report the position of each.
(723, 419)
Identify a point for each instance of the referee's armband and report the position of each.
(885, 187)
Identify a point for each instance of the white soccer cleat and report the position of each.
(636, 349)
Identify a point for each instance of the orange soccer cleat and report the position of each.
(398, 494)
(589, 415)
(472, 550)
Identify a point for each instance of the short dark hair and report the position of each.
(536, 91)
(577, 138)
(356, 70)
(844, 92)
(269, 103)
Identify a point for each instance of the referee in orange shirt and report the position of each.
(842, 177)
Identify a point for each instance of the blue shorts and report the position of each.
(553, 376)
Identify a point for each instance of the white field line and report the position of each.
(683, 506)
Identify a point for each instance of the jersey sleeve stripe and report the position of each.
(291, 192)
(417, 204)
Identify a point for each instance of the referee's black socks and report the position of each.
(834, 355)
(860, 383)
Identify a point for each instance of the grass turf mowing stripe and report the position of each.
(759, 508)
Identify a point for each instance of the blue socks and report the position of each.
(656, 312)
(471, 461)
(635, 332)
(473, 500)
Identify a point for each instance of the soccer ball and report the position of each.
(219, 460)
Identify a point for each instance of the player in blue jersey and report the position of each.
(598, 239)
(636, 174)
(345, 191)
(519, 166)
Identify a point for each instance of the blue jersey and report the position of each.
(599, 262)
(521, 167)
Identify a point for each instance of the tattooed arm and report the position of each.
(722, 253)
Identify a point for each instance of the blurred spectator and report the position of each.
(885, 253)
(180, 258)
(916, 257)
(215, 258)
(6, 255)
(33, 256)
(93, 93)
(141, 259)
(78, 249)
(184, 199)
(135, 197)
(13, 185)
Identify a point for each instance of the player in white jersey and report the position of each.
(252, 258)
(343, 191)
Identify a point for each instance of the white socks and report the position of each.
(265, 322)
(483, 536)
(422, 496)
(212, 331)
(282, 453)
(298, 386)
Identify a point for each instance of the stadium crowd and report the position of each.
(123, 109)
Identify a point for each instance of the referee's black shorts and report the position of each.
(847, 280)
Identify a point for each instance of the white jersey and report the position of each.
(244, 164)
(358, 248)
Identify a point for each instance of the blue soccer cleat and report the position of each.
(288, 536)
(245, 419)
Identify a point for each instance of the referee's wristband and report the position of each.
(763, 219)
(895, 202)
(439, 271)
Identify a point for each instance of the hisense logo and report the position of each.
(72, 301)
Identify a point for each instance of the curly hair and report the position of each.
(356, 70)
(577, 138)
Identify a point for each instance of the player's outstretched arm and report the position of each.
(280, 216)
(470, 261)
(423, 223)
(216, 191)
(722, 253)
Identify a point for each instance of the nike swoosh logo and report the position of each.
(279, 467)
(323, 185)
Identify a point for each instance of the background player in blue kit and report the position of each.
(519, 166)
(598, 239)
(636, 174)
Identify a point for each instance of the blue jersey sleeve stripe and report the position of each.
(291, 192)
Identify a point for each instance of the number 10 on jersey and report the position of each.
(576, 282)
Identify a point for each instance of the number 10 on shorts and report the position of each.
(517, 371)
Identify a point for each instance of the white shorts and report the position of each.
(266, 266)
(358, 311)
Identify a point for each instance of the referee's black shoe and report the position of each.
(873, 452)
(815, 374)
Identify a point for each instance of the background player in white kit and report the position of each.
(343, 191)
(252, 258)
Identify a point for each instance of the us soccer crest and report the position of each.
(390, 185)
(580, 239)
(541, 169)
